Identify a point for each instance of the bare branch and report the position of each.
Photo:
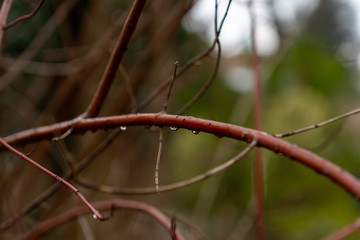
(109, 204)
(157, 165)
(37, 43)
(115, 59)
(301, 130)
(217, 62)
(56, 177)
(24, 17)
(4, 12)
(345, 231)
(258, 161)
(322, 166)
(169, 187)
(55, 187)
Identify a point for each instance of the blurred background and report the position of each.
(52, 63)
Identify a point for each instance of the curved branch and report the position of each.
(169, 187)
(307, 158)
(24, 17)
(109, 204)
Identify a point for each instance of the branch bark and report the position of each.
(115, 59)
(324, 167)
(109, 204)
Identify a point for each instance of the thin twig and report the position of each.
(24, 17)
(345, 231)
(169, 187)
(56, 186)
(170, 87)
(301, 130)
(206, 86)
(182, 70)
(108, 204)
(40, 39)
(157, 165)
(115, 59)
(4, 12)
(173, 228)
(56, 177)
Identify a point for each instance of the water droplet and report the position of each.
(123, 128)
(94, 216)
(173, 128)
(195, 131)
(219, 135)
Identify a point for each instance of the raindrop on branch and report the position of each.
(123, 128)
(195, 131)
(94, 216)
(173, 128)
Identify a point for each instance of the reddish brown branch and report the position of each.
(55, 187)
(109, 204)
(4, 12)
(258, 161)
(319, 164)
(24, 17)
(345, 231)
(115, 59)
(56, 177)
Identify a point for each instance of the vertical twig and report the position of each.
(258, 163)
(157, 165)
(115, 59)
(161, 134)
(5, 9)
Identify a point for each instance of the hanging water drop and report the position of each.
(195, 131)
(219, 135)
(173, 128)
(123, 128)
(94, 216)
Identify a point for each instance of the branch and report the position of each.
(55, 187)
(345, 231)
(4, 12)
(96, 214)
(115, 59)
(109, 204)
(301, 130)
(307, 158)
(24, 17)
(258, 161)
(36, 44)
(169, 187)
(202, 91)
